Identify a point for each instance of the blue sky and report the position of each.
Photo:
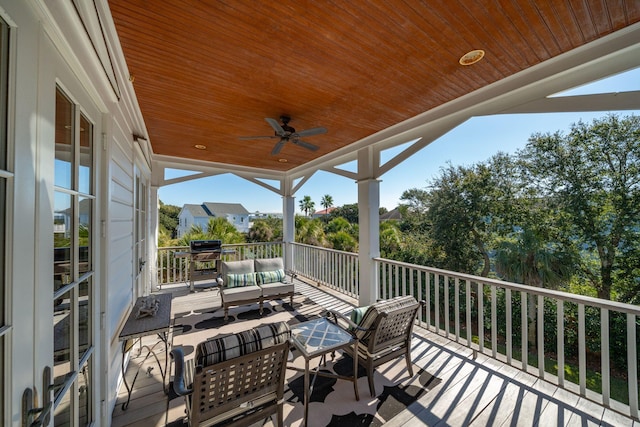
(474, 141)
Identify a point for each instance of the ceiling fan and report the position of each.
(288, 134)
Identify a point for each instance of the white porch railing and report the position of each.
(491, 316)
(571, 333)
(335, 269)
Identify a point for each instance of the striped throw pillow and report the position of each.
(239, 280)
(265, 277)
(226, 347)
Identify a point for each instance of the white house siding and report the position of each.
(49, 47)
(119, 281)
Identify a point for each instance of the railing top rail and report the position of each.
(325, 249)
(565, 296)
(224, 244)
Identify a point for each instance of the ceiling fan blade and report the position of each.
(305, 144)
(276, 126)
(311, 132)
(278, 146)
(258, 137)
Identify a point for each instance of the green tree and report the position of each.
(528, 257)
(343, 241)
(265, 230)
(168, 219)
(326, 202)
(307, 205)
(390, 238)
(310, 231)
(592, 174)
(348, 212)
(217, 229)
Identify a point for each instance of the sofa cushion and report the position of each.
(237, 267)
(276, 288)
(243, 293)
(265, 277)
(269, 264)
(219, 349)
(240, 280)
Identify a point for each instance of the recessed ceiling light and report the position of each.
(283, 160)
(200, 147)
(472, 57)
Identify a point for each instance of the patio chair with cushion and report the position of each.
(238, 378)
(383, 331)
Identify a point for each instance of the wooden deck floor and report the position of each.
(473, 392)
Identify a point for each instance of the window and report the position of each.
(5, 176)
(73, 282)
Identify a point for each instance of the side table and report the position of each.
(317, 338)
(137, 328)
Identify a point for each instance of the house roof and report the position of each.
(197, 211)
(325, 211)
(392, 214)
(207, 73)
(225, 208)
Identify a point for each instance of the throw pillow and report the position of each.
(239, 280)
(265, 277)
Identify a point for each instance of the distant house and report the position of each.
(393, 214)
(199, 215)
(322, 213)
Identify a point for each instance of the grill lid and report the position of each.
(205, 245)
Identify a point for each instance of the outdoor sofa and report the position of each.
(253, 281)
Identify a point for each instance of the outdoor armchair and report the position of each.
(383, 331)
(238, 378)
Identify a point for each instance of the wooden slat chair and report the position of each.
(383, 331)
(238, 378)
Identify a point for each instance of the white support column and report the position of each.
(154, 227)
(288, 229)
(369, 222)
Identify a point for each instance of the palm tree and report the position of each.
(326, 202)
(307, 205)
(526, 258)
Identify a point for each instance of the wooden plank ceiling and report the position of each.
(207, 72)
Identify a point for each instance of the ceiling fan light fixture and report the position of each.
(200, 147)
(472, 57)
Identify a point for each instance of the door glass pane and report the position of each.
(84, 316)
(84, 221)
(62, 236)
(64, 140)
(84, 397)
(4, 85)
(86, 156)
(62, 323)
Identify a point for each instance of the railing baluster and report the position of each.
(524, 330)
(582, 356)
(467, 288)
(540, 336)
(494, 322)
(456, 289)
(480, 316)
(509, 318)
(632, 364)
(436, 303)
(445, 282)
(560, 328)
(604, 356)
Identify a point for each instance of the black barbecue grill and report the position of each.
(207, 252)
